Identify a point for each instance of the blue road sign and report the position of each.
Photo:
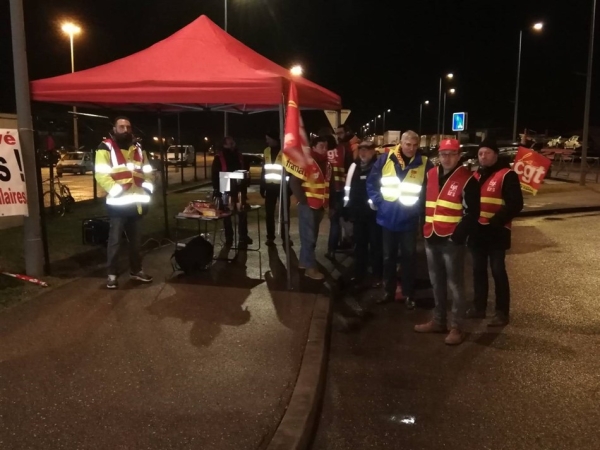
(459, 121)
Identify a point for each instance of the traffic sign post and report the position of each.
(336, 120)
(459, 121)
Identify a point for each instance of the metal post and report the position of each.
(444, 116)
(75, 126)
(375, 126)
(383, 123)
(34, 237)
(420, 117)
(514, 135)
(225, 122)
(439, 112)
(588, 98)
(182, 155)
(164, 176)
(284, 197)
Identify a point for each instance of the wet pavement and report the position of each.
(204, 362)
(533, 385)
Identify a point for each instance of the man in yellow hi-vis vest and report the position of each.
(396, 186)
(123, 171)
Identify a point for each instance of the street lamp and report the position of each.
(426, 102)
(449, 76)
(71, 29)
(588, 95)
(384, 113)
(296, 70)
(536, 27)
(451, 92)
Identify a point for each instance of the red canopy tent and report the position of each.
(198, 67)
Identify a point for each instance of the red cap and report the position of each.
(450, 145)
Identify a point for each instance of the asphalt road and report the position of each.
(533, 385)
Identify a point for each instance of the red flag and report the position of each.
(296, 148)
(531, 168)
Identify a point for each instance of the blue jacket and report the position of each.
(393, 215)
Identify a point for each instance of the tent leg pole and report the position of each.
(180, 148)
(164, 177)
(284, 199)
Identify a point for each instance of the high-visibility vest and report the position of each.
(444, 207)
(273, 169)
(129, 175)
(407, 191)
(491, 196)
(316, 187)
(336, 159)
(348, 185)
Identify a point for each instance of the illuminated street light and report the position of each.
(449, 76)
(451, 92)
(426, 102)
(71, 29)
(538, 26)
(296, 70)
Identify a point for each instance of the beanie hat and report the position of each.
(490, 144)
(450, 145)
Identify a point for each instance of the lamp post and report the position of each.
(537, 27)
(588, 95)
(225, 123)
(451, 92)
(449, 76)
(426, 102)
(384, 113)
(71, 29)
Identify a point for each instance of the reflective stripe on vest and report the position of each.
(348, 185)
(407, 191)
(317, 188)
(491, 196)
(273, 169)
(444, 207)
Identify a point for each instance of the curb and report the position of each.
(295, 431)
(549, 212)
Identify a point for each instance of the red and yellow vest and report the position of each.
(124, 174)
(316, 186)
(444, 207)
(491, 196)
(336, 160)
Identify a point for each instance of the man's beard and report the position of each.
(124, 139)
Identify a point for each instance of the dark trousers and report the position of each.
(335, 215)
(496, 258)
(242, 218)
(406, 241)
(369, 248)
(131, 226)
(271, 211)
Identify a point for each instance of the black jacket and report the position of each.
(471, 200)
(358, 206)
(496, 235)
(233, 160)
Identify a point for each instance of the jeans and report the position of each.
(308, 223)
(335, 217)
(446, 263)
(131, 226)
(271, 211)
(407, 242)
(369, 247)
(496, 258)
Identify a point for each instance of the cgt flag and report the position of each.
(296, 148)
(531, 168)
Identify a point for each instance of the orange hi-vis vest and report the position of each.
(444, 207)
(126, 174)
(491, 196)
(336, 158)
(316, 186)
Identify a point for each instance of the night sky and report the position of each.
(376, 54)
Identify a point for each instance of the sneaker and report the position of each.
(455, 337)
(499, 320)
(314, 274)
(111, 282)
(141, 276)
(270, 242)
(473, 313)
(431, 327)
(246, 240)
(410, 303)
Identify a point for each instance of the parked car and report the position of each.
(180, 155)
(75, 163)
(252, 159)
